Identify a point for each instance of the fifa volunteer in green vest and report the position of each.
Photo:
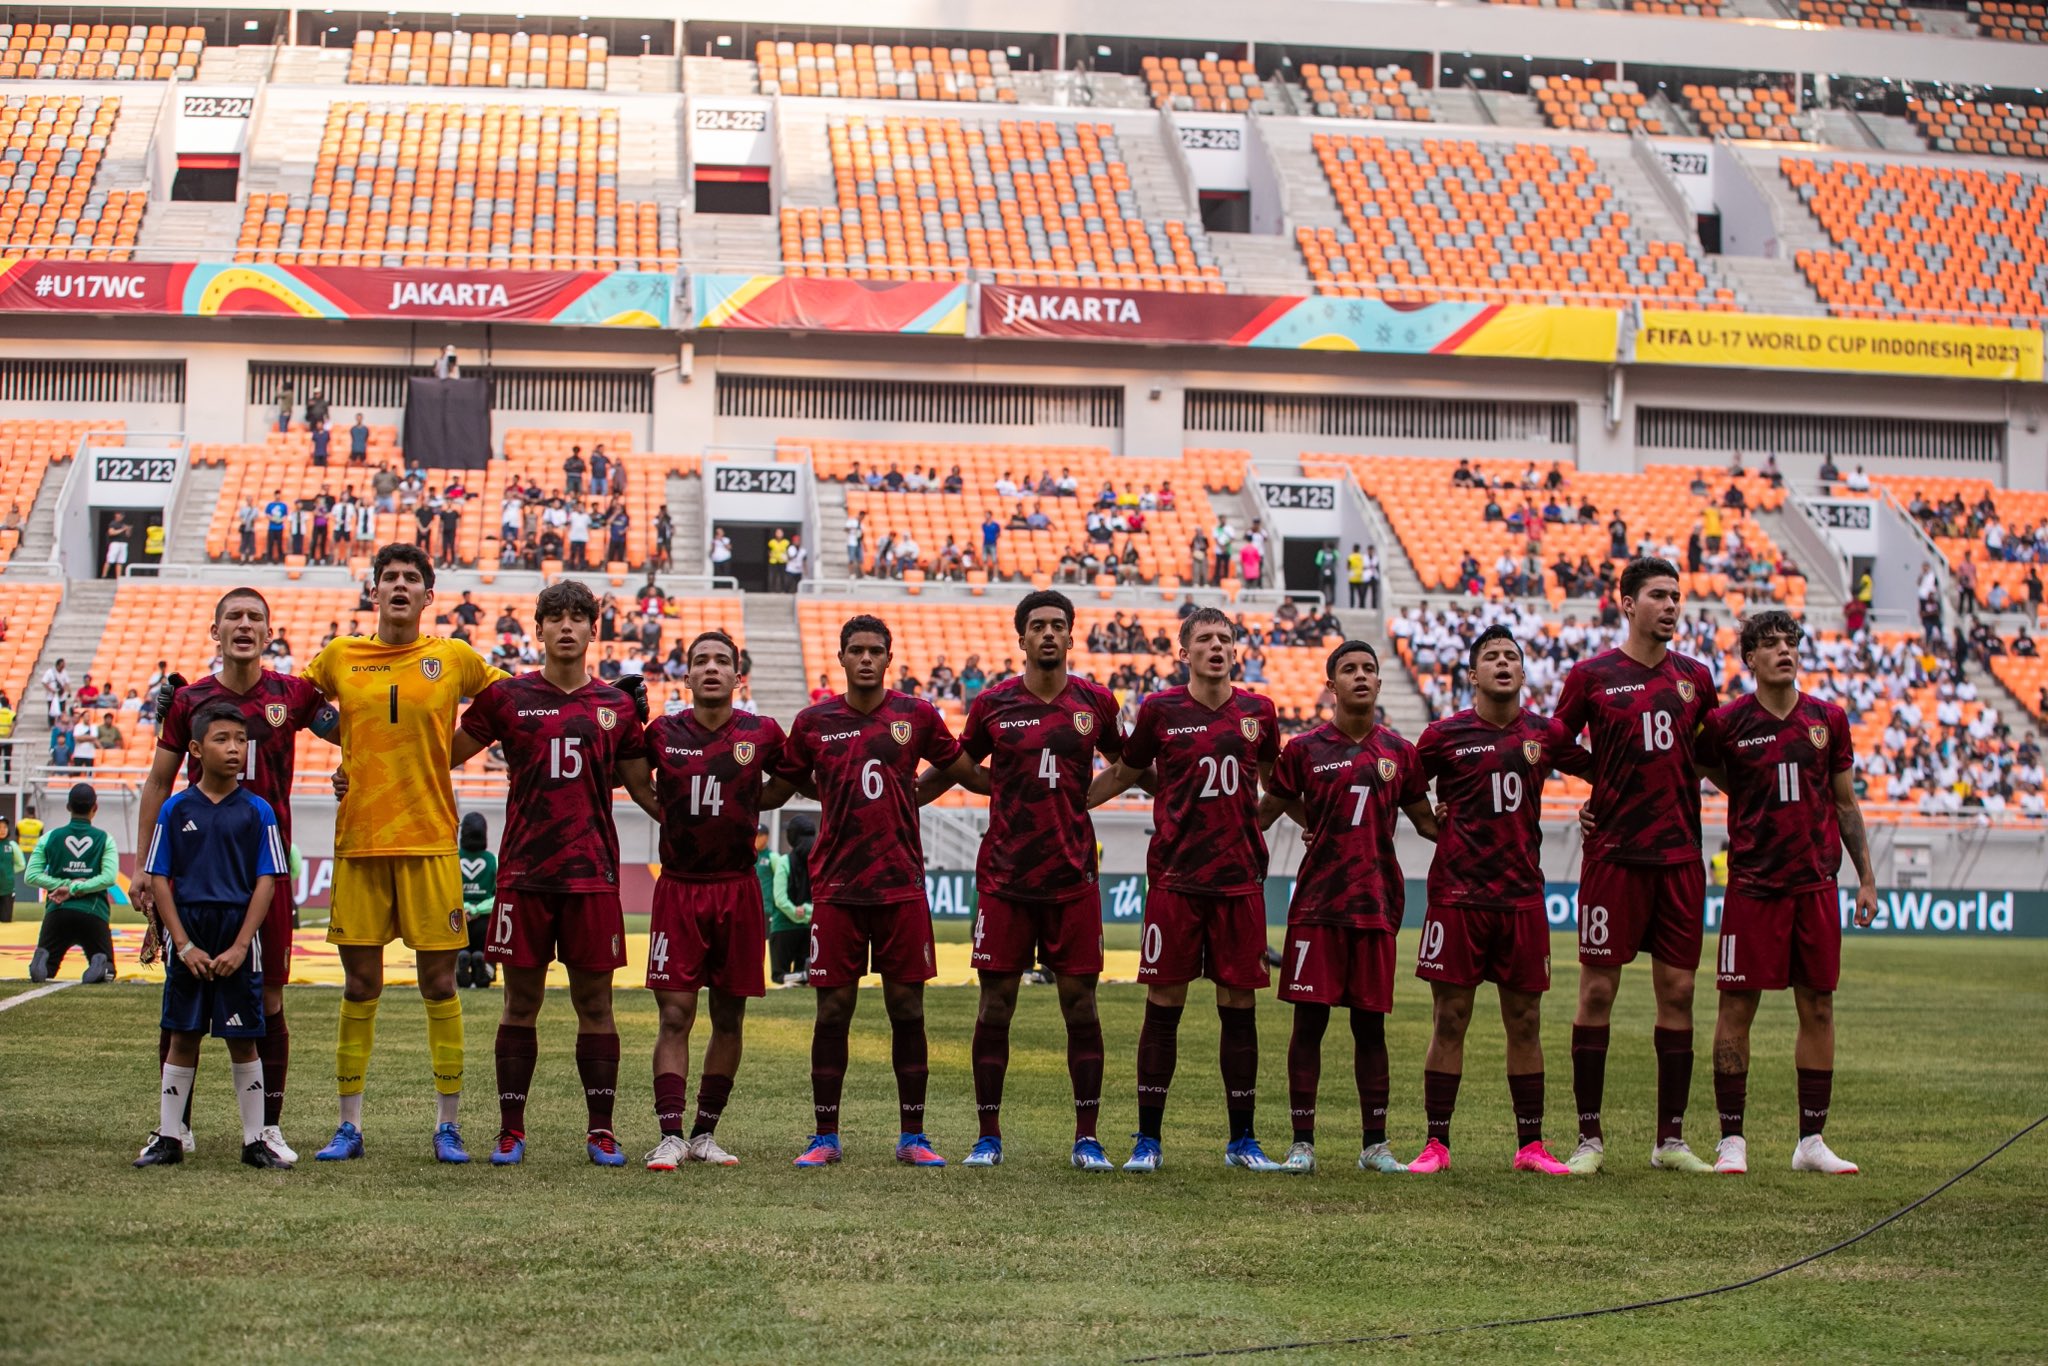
(75, 865)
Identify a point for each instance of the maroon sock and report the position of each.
(828, 1073)
(1731, 1093)
(163, 1051)
(1674, 1080)
(275, 1050)
(713, 1091)
(1816, 1089)
(1589, 1075)
(908, 1055)
(1158, 1051)
(1238, 1052)
(1369, 1065)
(1439, 1099)
(518, 1052)
(991, 1053)
(1084, 1067)
(1525, 1094)
(1305, 1068)
(597, 1062)
(671, 1098)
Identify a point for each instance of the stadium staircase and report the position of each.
(774, 641)
(720, 76)
(828, 556)
(1894, 133)
(184, 230)
(1304, 189)
(127, 163)
(725, 241)
(1264, 264)
(311, 66)
(39, 535)
(193, 517)
(1507, 110)
(1462, 105)
(246, 64)
(803, 150)
(685, 496)
(74, 638)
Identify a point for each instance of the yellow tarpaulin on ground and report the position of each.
(1769, 342)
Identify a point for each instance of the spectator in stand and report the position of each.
(275, 514)
(286, 401)
(359, 442)
(856, 542)
(1966, 584)
(451, 522)
(1198, 559)
(448, 365)
(1251, 563)
(322, 438)
(794, 560)
(991, 533)
(1858, 481)
(617, 523)
(579, 535)
(1223, 539)
(316, 410)
(384, 483)
(600, 471)
(778, 556)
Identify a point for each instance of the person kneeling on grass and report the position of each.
(215, 855)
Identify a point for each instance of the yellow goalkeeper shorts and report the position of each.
(416, 898)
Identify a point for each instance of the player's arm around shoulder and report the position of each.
(1413, 792)
(1280, 790)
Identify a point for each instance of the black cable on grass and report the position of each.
(1851, 1241)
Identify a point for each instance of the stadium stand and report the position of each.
(514, 61)
(1457, 218)
(528, 187)
(26, 611)
(1699, 9)
(2003, 531)
(1921, 242)
(1446, 528)
(100, 52)
(2009, 22)
(1861, 14)
(931, 198)
(1745, 112)
(1980, 127)
(878, 71)
(50, 152)
(1359, 92)
(1590, 106)
(27, 450)
(1203, 84)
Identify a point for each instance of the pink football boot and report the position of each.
(1433, 1158)
(1534, 1157)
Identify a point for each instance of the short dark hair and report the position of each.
(718, 637)
(400, 553)
(1205, 616)
(213, 714)
(1762, 626)
(1641, 570)
(82, 800)
(232, 594)
(864, 624)
(1494, 632)
(1349, 647)
(565, 598)
(1044, 597)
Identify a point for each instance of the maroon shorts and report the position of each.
(585, 930)
(1222, 938)
(274, 940)
(1338, 965)
(1008, 934)
(845, 938)
(1466, 945)
(711, 934)
(1770, 943)
(1625, 908)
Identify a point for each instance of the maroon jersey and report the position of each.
(1783, 834)
(709, 783)
(870, 849)
(276, 710)
(1040, 844)
(560, 750)
(1205, 809)
(1646, 794)
(1352, 793)
(1491, 778)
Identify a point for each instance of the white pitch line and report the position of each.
(26, 996)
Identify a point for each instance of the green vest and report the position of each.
(764, 869)
(479, 880)
(73, 853)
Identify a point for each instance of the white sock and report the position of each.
(249, 1096)
(171, 1104)
(447, 1105)
(352, 1109)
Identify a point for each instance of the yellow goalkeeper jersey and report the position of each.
(398, 706)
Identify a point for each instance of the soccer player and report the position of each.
(566, 735)
(713, 776)
(397, 874)
(1643, 883)
(214, 852)
(861, 750)
(1038, 733)
(1784, 760)
(1205, 907)
(276, 708)
(1346, 783)
(1485, 921)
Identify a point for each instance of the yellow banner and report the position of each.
(1768, 342)
(1582, 334)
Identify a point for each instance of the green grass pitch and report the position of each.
(396, 1259)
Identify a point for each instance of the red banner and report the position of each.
(798, 304)
(1136, 315)
(90, 286)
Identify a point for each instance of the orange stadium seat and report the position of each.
(2007, 22)
(1047, 202)
(1924, 243)
(1758, 113)
(27, 450)
(1710, 9)
(1363, 92)
(1458, 204)
(1203, 84)
(28, 609)
(100, 52)
(505, 61)
(1981, 127)
(454, 185)
(1591, 106)
(1860, 14)
(50, 152)
(2019, 510)
(878, 71)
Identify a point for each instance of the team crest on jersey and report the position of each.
(455, 920)
(899, 731)
(432, 669)
(1819, 735)
(1532, 750)
(274, 713)
(607, 718)
(1250, 726)
(743, 752)
(1685, 690)
(1084, 722)
(1386, 770)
